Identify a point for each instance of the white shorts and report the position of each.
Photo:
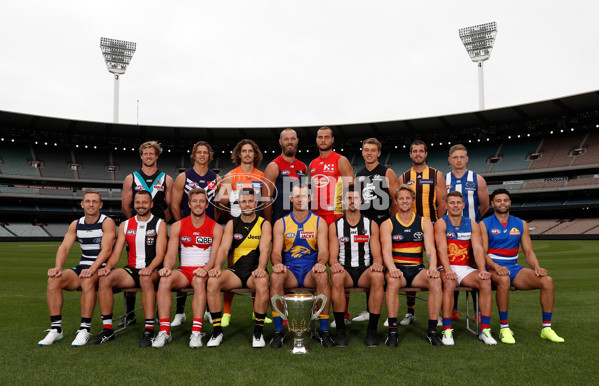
(462, 271)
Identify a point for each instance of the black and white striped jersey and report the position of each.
(354, 242)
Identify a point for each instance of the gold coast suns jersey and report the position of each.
(424, 184)
(300, 248)
(246, 242)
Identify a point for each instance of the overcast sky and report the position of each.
(250, 63)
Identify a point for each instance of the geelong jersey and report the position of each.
(375, 193)
(504, 241)
(327, 185)
(458, 241)
(300, 248)
(141, 238)
(354, 242)
(240, 180)
(407, 241)
(424, 184)
(90, 240)
(246, 243)
(156, 185)
(468, 186)
(288, 172)
(194, 180)
(196, 243)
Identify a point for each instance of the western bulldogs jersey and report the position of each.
(424, 184)
(288, 172)
(196, 243)
(156, 185)
(300, 248)
(354, 242)
(141, 239)
(504, 240)
(408, 241)
(90, 240)
(468, 186)
(327, 185)
(375, 193)
(194, 180)
(458, 241)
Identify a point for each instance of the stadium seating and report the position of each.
(591, 156)
(5, 233)
(57, 230)
(577, 226)
(56, 162)
(555, 151)
(93, 164)
(538, 227)
(583, 181)
(26, 230)
(513, 155)
(478, 155)
(16, 160)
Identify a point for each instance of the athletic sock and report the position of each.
(56, 322)
(373, 322)
(392, 325)
(485, 322)
(346, 314)
(165, 325)
(227, 301)
(107, 322)
(367, 300)
(149, 325)
(278, 321)
(432, 325)
(503, 321)
(86, 324)
(411, 302)
(181, 299)
(216, 326)
(447, 324)
(339, 316)
(456, 296)
(324, 322)
(547, 319)
(259, 323)
(130, 302)
(197, 324)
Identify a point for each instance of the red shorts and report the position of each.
(188, 272)
(330, 217)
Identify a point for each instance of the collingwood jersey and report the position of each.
(354, 242)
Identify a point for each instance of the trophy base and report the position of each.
(299, 347)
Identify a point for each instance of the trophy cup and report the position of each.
(299, 313)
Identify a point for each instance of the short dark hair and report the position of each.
(143, 192)
(419, 142)
(352, 188)
(455, 193)
(246, 191)
(500, 191)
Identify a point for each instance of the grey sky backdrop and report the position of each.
(275, 63)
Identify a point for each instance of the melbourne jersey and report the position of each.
(458, 241)
(468, 186)
(288, 172)
(375, 193)
(424, 184)
(246, 243)
(194, 180)
(327, 185)
(90, 240)
(196, 243)
(300, 248)
(504, 240)
(354, 242)
(240, 180)
(156, 185)
(141, 238)
(407, 240)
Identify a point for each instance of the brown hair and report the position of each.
(418, 142)
(405, 187)
(456, 148)
(196, 191)
(372, 141)
(326, 128)
(91, 191)
(455, 193)
(195, 149)
(236, 155)
(153, 144)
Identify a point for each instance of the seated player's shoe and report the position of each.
(267, 320)
(346, 321)
(386, 324)
(146, 339)
(507, 336)
(549, 334)
(53, 336)
(433, 339)
(455, 315)
(325, 339)
(207, 317)
(195, 339)
(440, 321)
(215, 340)
(161, 339)
(277, 339)
(341, 339)
(392, 339)
(408, 319)
(258, 341)
(485, 336)
(225, 320)
(103, 337)
(81, 338)
(447, 338)
(371, 339)
(178, 320)
(131, 319)
(363, 317)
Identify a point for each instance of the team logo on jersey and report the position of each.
(320, 181)
(470, 185)
(343, 239)
(211, 185)
(514, 232)
(238, 236)
(298, 251)
(151, 232)
(361, 238)
(185, 239)
(495, 231)
(192, 184)
(397, 237)
(300, 173)
(418, 236)
(239, 185)
(131, 232)
(426, 181)
(307, 235)
(290, 235)
(150, 241)
(450, 235)
(203, 240)
(158, 187)
(411, 182)
(138, 188)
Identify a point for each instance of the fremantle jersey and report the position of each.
(327, 185)
(141, 239)
(288, 172)
(375, 193)
(194, 180)
(240, 180)
(407, 241)
(90, 240)
(468, 186)
(458, 241)
(504, 241)
(300, 248)
(246, 243)
(156, 185)
(354, 242)
(424, 184)
(196, 243)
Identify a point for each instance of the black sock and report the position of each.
(340, 321)
(56, 322)
(432, 325)
(259, 325)
(216, 318)
(367, 300)
(130, 302)
(86, 324)
(181, 299)
(373, 321)
(392, 324)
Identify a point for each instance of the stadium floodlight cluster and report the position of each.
(117, 55)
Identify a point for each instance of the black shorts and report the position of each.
(410, 272)
(134, 273)
(80, 268)
(355, 273)
(243, 273)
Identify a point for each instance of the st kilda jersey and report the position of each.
(141, 239)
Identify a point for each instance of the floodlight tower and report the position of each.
(117, 55)
(478, 41)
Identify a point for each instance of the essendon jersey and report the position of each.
(141, 239)
(327, 185)
(407, 240)
(288, 173)
(459, 240)
(196, 243)
(354, 242)
(424, 184)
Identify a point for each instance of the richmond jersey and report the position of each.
(246, 243)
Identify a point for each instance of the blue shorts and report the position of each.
(514, 269)
(300, 273)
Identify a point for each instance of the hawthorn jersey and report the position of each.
(327, 185)
(141, 239)
(504, 240)
(468, 186)
(196, 243)
(458, 241)
(156, 185)
(407, 240)
(424, 184)
(376, 199)
(288, 173)
(300, 248)
(354, 242)
(239, 180)
(90, 240)
(207, 182)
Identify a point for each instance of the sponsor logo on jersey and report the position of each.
(514, 232)
(211, 185)
(254, 237)
(158, 187)
(397, 237)
(328, 168)
(320, 181)
(285, 172)
(450, 235)
(238, 236)
(290, 235)
(239, 185)
(495, 231)
(361, 238)
(257, 185)
(150, 241)
(418, 236)
(203, 240)
(131, 232)
(300, 173)
(307, 235)
(97, 240)
(343, 239)
(464, 235)
(426, 181)
(151, 232)
(138, 188)
(411, 182)
(185, 239)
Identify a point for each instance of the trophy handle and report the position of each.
(324, 303)
(273, 300)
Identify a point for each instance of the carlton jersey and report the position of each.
(407, 241)
(288, 172)
(327, 185)
(246, 243)
(240, 180)
(300, 248)
(141, 239)
(376, 203)
(194, 180)
(504, 241)
(468, 186)
(90, 240)
(458, 241)
(196, 243)
(156, 185)
(424, 185)
(354, 242)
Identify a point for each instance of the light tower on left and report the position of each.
(117, 55)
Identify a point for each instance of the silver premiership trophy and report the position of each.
(298, 314)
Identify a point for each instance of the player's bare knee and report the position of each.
(547, 283)
(503, 283)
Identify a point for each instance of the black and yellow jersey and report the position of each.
(246, 243)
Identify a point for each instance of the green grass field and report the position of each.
(574, 265)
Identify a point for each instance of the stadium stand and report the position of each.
(538, 227)
(576, 226)
(533, 185)
(26, 230)
(478, 155)
(93, 164)
(400, 161)
(513, 155)
(510, 187)
(55, 162)
(16, 160)
(594, 230)
(126, 161)
(583, 181)
(4, 232)
(57, 230)
(591, 155)
(13, 190)
(556, 151)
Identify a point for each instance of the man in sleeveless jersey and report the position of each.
(198, 238)
(458, 237)
(145, 236)
(502, 235)
(299, 257)
(95, 233)
(403, 239)
(356, 261)
(248, 237)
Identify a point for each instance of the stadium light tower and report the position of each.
(478, 41)
(117, 55)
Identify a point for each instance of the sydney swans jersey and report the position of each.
(407, 241)
(156, 185)
(468, 186)
(288, 173)
(354, 242)
(424, 184)
(196, 243)
(458, 241)
(246, 243)
(194, 180)
(327, 185)
(504, 240)
(240, 180)
(300, 248)
(141, 239)
(375, 193)
(90, 240)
